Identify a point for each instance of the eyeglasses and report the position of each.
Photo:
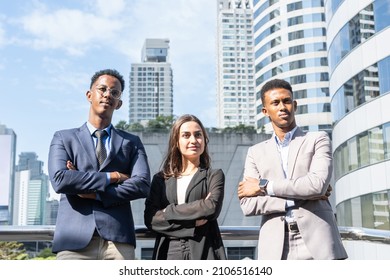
(114, 92)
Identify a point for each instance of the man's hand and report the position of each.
(88, 195)
(326, 195)
(249, 187)
(117, 177)
(70, 165)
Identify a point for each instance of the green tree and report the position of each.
(122, 125)
(12, 251)
(241, 128)
(161, 123)
(136, 127)
(45, 254)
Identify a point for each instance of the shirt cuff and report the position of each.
(290, 203)
(270, 188)
(108, 178)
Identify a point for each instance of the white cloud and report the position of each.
(122, 27)
(68, 29)
(2, 35)
(109, 9)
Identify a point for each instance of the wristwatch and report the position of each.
(263, 185)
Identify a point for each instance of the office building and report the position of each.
(31, 191)
(151, 83)
(235, 64)
(358, 36)
(7, 164)
(290, 44)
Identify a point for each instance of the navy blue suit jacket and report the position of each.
(111, 215)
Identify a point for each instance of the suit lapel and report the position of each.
(171, 189)
(294, 148)
(85, 139)
(116, 144)
(274, 158)
(199, 176)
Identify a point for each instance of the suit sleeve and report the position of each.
(69, 181)
(259, 205)
(201, 208)
(314, 172)
(137, 186)
(179, 220)
(154, 218)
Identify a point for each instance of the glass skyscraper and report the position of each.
(359, 63)
(290, 44)
(235, 65)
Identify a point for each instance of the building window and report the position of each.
(146, 253)
(239, 253)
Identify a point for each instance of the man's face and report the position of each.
(280, 107)
(104, 103)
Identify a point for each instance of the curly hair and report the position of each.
(110, 72)
(275, 83)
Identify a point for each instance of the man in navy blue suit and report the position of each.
(94, 218)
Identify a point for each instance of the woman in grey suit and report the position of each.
(186, 198)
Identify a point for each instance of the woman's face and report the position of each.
(191, 140)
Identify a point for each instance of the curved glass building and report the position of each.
(358, 37)
(290, 44)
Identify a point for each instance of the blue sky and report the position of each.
(50, 49)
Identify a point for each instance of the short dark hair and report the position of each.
(275, 83)
(110, 72)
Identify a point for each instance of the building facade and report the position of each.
(31, 191)
(235, 64)
(7, 165)
(151, 83)
(359, 63)
(290, 44)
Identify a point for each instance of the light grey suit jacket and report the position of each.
(309, 174)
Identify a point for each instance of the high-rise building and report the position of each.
(290, 44)
(29, 161)
(151, 83)
(7, 164)
(235, 64)
(31, 191)
(358, 36)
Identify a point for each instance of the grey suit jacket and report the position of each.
(111, 215)
(309, 174)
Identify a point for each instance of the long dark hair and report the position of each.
(172, 164)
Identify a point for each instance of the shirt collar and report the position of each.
(287, 137)
(92, 129)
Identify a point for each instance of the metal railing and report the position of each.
(45, 233)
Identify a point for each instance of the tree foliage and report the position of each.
(241, 128)
(122, 125)
(12, 251)
(161, 123)
(45, 254)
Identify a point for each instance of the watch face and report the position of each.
(263, 182)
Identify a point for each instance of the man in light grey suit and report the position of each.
(97, 177)
(286, 180)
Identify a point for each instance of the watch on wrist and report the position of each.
(263, 185)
